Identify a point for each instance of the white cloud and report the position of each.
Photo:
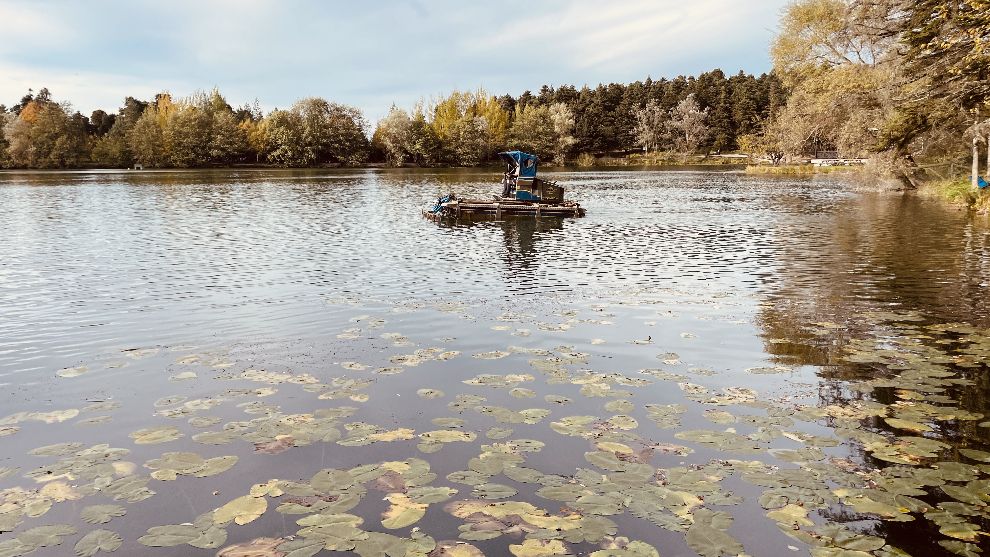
(588, 34)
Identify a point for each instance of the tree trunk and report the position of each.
(976, 162)
(987, 177)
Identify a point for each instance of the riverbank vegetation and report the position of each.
(797, 169)
(710, 112)
(901, 83)
(958, 191)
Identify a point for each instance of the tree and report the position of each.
(562, 120)
(332, 132)
(131, 111)
(100, 123)
(686, 125)
(112, 150)
(455, 119)
(545, 130)
(496, 118)
(532, 130)
(471, 140)
(769, 142)
(650, 127)
(284, 138)
(228, 140)
(44, 135)
(840, 60)
(5, 118)
(393, 135)
(720, 123)
(423, 145)
(146, 141)
(254, 131)
(818, 35)
(947, 43)
(186, 135)
(744, 101)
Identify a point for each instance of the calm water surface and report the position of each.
(707, 359)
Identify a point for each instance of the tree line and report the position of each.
(200, 130)
(905, 83)
(708, 113)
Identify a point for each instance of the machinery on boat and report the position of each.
(523, 193)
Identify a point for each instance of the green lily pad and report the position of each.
(97, 541)
(45, 536)
(101, 514)
(155, 435)
(493, 491)
(241, 510)
(539, 548)
(259, 547)
(498, 433)
(974, 454)
(402, 512)
(448, 436)
(708, 537)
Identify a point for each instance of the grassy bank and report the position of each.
(958, 191)
(659, 159)
(797, 169)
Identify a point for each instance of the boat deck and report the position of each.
(497, 208)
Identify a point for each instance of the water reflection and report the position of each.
(519, 253)
(671, 302)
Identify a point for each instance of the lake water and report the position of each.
(708, 363)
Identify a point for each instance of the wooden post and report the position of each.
(973, 177)
(976, 161)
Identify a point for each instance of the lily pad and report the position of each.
(402, 512)
(258, 547)
(242, 510)
(101, 514)
(155, 435)
(493, 491)
(539, 548)
(97, 541)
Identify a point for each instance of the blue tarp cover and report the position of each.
(526, 162)
(981, 182)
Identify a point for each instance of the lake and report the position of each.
(275, 363)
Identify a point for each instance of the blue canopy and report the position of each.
(526, 162)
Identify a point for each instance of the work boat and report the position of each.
(522, 194)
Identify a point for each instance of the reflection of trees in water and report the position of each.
(882, 251)
(898, 255)
(520, 238)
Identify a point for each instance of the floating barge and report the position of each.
(523, 194)
(453, 207)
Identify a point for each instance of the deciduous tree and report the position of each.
(650, 128)
(394, 134)
(686, 125)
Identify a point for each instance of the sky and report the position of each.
(366, 53)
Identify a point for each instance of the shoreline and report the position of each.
(490, 168)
